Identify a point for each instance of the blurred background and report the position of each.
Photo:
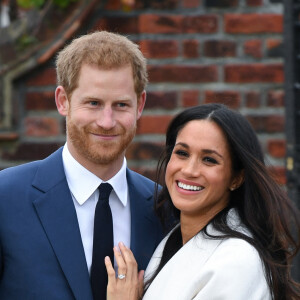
(243, 53)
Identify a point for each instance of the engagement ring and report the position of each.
(121, 276)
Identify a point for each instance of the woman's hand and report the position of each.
(129, 283)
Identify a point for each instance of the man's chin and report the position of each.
(103, 160)
(103, 156)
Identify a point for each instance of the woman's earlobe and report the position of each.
(238, 181)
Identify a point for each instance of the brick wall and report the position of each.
(225, 51)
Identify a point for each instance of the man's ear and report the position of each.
(140, 104)
(237, 180)
(61, 100)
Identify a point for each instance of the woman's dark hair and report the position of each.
(261, 203)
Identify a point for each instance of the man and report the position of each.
(47, 208)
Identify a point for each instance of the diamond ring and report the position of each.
(121, 276)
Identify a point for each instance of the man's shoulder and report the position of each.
(139, 177)
(140, 180)
(26, 171)
(141, 184)
(21, 170)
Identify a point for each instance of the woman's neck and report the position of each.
(190, 227)
(192, 223)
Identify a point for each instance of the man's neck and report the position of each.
(103, 171)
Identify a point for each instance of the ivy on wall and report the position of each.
(40, 3)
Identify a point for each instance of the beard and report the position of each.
(99, 152)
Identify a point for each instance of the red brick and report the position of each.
(257, 122)
(125, 24)
(275, 98)
(200, 24)
(229, 98)
(31, 151)
(277, 148)
(157, 4)
(253, 23)
(40, 101)
(217, 48)
(274, 123)
(163, 100)
(149, 23)
(190, 48)
(254, 2)
(153, 124)
(159, 49)
(279, 174)
(8, 136)
(144, 151)
(191, 3)
(113, 5)
(254, 73)
(274, 48)
(41, 77)
(269, 124)
(190, 98)
(221, 3)
(253, 48)
(253, 99)
(41, 126)
(190, 74)
(272, 43)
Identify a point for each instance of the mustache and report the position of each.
(101, 131)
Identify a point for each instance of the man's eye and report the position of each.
(122, 104)
(94, 103)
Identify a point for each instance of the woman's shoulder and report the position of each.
(236, 255)
(233, 247)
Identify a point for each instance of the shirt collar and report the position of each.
(83, 183)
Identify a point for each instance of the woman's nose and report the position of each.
(191, 168)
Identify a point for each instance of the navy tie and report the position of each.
(103, 242)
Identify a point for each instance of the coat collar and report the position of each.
(57, 214)
(146, 232)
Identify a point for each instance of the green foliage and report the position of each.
(30, 3)
(39, 3)
(63, 3)
(25, 41)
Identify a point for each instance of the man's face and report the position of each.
(102, 115)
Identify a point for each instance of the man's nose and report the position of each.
(106, 119)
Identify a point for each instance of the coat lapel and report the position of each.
(146, 232)
(58, 217)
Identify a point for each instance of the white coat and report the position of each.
(207, 269)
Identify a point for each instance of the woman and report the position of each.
(234, 238)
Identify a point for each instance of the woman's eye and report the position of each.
(181, 153)
(210, 160)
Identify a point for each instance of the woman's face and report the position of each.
(199, 174)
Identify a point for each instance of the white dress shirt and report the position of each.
(84, 189)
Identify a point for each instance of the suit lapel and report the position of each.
(57, 214)
(145, 234)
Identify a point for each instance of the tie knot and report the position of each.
(104, 191)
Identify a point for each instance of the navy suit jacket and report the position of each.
(41, 252)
